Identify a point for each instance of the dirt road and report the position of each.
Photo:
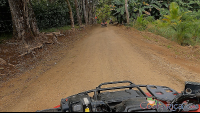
(104, 55)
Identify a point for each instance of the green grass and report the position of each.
(146, 37)
(65, 28)
(169, 46)
(184, 33)
(5, 36)
(162, 30)
(176, 52)
(49, 30)
(140, 23)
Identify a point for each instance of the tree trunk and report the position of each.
(78, 14)
(90, 13)
(94, 12)
(71, 14)
(33, 22)
(24, 22)
(85, 12)
(127, 13)
(81, 9)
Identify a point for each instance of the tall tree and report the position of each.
(127, 13)
(70, 13)
(78, 14)
(94, 11)
(80, 7)
(90, 9)
(24, 22)
(85, 11)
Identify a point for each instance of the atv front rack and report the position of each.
(120, 98)
(162, 93)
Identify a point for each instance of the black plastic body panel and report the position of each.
(139, 104)
(77, 103)
(118, 96)
(51, 110)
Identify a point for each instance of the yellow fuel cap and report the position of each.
(87, 109)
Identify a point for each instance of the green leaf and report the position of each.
(155, 6)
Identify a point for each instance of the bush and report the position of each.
(5, 18)
(195, 30)
(162, 30)
(182, 27)
(161, 23)
(140, 23)
(150, 19)
(131, 22)
(183, 33)
(51, 15)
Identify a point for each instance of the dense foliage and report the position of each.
(48, 15)
(51, 15)
(177, 20)
(5, 18)
(103, 11)
(182, 26)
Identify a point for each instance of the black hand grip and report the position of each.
(116, 82)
